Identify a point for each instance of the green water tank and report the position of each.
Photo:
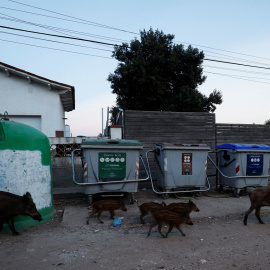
(25, 165)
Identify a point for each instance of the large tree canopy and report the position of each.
(154, 74)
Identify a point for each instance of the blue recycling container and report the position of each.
(243, 165)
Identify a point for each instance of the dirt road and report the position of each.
(217, 240)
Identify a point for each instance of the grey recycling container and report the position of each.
(181, 166)
(111, 166)
(243, 165)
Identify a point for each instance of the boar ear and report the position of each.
(27, 197)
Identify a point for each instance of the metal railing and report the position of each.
(107, 182)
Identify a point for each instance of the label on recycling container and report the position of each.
(112, 165)
(186, 163)
(254, 164)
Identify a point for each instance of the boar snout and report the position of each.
(37, 217)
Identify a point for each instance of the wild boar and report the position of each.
(258, 197)
(173, 219)
(186, 207)
(106, 205)
(12, 205)
(149, 206)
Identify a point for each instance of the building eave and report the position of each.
(66, 92)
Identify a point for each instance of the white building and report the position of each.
(35, 101)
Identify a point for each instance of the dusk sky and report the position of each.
(235, 31)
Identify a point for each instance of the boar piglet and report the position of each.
(12, 205)
(170, 218)
(106, 205)
(258, 197)
(146, 207)
(186, 207)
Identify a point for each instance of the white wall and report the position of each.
(20, 98)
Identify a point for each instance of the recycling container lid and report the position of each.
(243, 146)
(110, 143)
(183, 146)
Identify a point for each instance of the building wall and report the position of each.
(23, 101)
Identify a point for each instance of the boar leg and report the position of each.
(169, 230)
(90, 215)
(247, 213)
(112, 213)
(159, 229)
(98, 217)
(152, 225)
(257, 213)
(180, 230)
(141, 217)
(11, 226)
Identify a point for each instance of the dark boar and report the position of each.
(186, 207)
(173, 219)
(149, 206)
(12, 205)
(106, 205)
(258, 197)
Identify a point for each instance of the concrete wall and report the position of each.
(62, 173)
(23, 101)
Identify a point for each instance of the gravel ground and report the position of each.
(217, 240)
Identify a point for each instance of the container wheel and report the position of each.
(236, 193)
(90, 199)
(178, 195)
(220, 188)
(165, 196)
(131, 198)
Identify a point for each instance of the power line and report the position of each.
(109, 27)
(226, 75)
(62, 50)
(55, 49)
(49, 40)
(52, 35)
(93, 23)
(238, 70)
(61, 30)
(56, 29)
(104, 43)
(243, 76)
(235, 77)
(223, 50)
(232, 63)
(226, 57)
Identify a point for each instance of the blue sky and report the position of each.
(232, 30)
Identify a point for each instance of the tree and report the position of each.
(154, 74)
(267, 122)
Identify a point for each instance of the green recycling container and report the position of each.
(107, 160)
(25, 166)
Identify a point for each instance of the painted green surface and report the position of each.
(23, 222)
(17, 136)
(20, 137)
(112, 165)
